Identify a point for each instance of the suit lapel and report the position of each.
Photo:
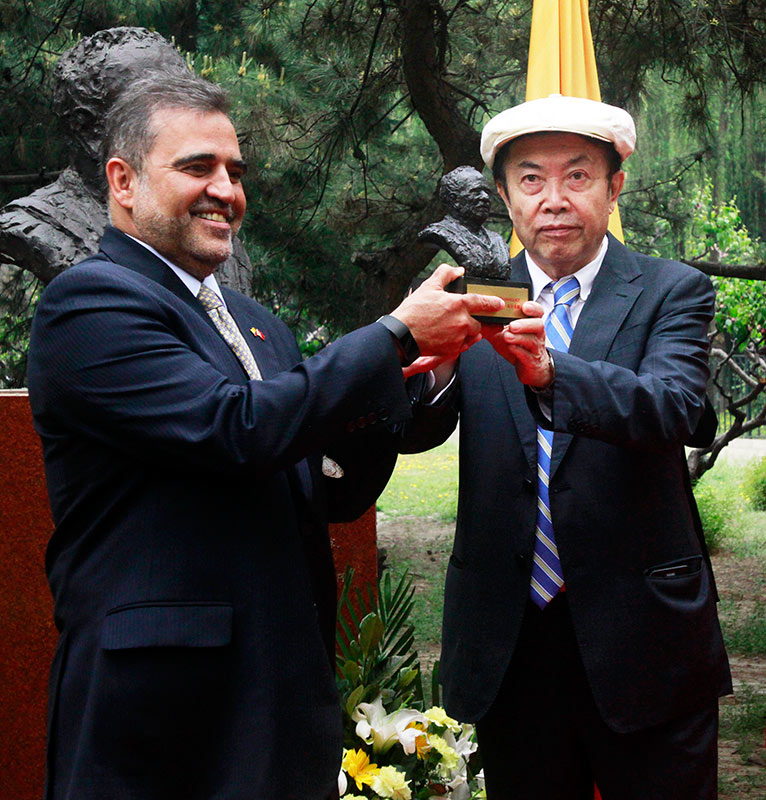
(128, 253)
(610, 301)
(611, 298)
(514, 391)
(257, 328)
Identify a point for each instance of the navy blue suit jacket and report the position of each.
(627, 396)
(190, 565)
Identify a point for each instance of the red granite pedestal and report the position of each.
(27, 633)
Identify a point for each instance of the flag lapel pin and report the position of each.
(259, 333)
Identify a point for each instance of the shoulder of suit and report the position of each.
(666, 269)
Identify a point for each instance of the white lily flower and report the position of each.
(342, 783)
(374, 726)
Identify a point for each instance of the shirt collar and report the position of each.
(189, 281)
(585, 275)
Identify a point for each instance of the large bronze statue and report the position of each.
(60, 224)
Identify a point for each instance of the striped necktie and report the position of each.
(547, 576)
(227, 327)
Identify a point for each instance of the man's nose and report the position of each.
(221, 186)
(555, 198)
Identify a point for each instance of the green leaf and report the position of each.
(406, 677)
(354, 699)
(350, 671)
(371, 631)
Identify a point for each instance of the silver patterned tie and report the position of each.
(227, 327)
(547, 575)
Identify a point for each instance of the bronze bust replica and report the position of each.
(465, 196)
(60, 224)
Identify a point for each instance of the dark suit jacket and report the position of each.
(190, 564)
(626, 398)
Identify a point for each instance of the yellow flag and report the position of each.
(562, 61)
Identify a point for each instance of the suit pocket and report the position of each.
(168, 625)
(677, 581)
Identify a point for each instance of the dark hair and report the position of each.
(129, 133)
(613, 160)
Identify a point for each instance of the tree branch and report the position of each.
(753, 272)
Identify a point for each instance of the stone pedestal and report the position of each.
(27, 632)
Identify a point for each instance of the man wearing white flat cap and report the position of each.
(580, 629)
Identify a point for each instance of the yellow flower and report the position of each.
(449, 758)
(389, 782)
(357, 764)
(422, 745)
(439, 716)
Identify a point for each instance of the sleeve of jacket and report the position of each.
(656, 405)
(120, 365)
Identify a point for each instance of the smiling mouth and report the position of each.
(213, 216)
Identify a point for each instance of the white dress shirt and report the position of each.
(189, 281)
(543, 294)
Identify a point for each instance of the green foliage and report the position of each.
(343, 159)
(755, 484)
(743, 721)
(746, 634)
(395, 747)
(18, 298)
(719, 507)
(741, 311)
(375, 646)
(716, 229)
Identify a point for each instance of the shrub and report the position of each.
(718, 510)
(755, 484)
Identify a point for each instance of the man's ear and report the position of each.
(615, 187)
(122, 179)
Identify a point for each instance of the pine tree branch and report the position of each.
(753, 272)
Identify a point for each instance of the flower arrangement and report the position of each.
(394, 746)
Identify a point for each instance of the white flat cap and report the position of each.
(559, 113)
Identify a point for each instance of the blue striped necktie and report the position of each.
(547, 577)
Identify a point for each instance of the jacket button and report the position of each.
(350, 427)
(529, 485)
(372, 418)
(521, 559)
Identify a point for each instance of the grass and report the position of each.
(424, 484)
(428, 567)
(742, 721)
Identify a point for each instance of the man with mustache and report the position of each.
(193, 462)
(580, 630)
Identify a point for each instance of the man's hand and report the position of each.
(522, 343)
(440, 321)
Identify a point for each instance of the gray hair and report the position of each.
(129, 132)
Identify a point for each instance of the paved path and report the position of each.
(740, 451)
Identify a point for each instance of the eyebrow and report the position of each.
(190, 159)
(571, 163)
